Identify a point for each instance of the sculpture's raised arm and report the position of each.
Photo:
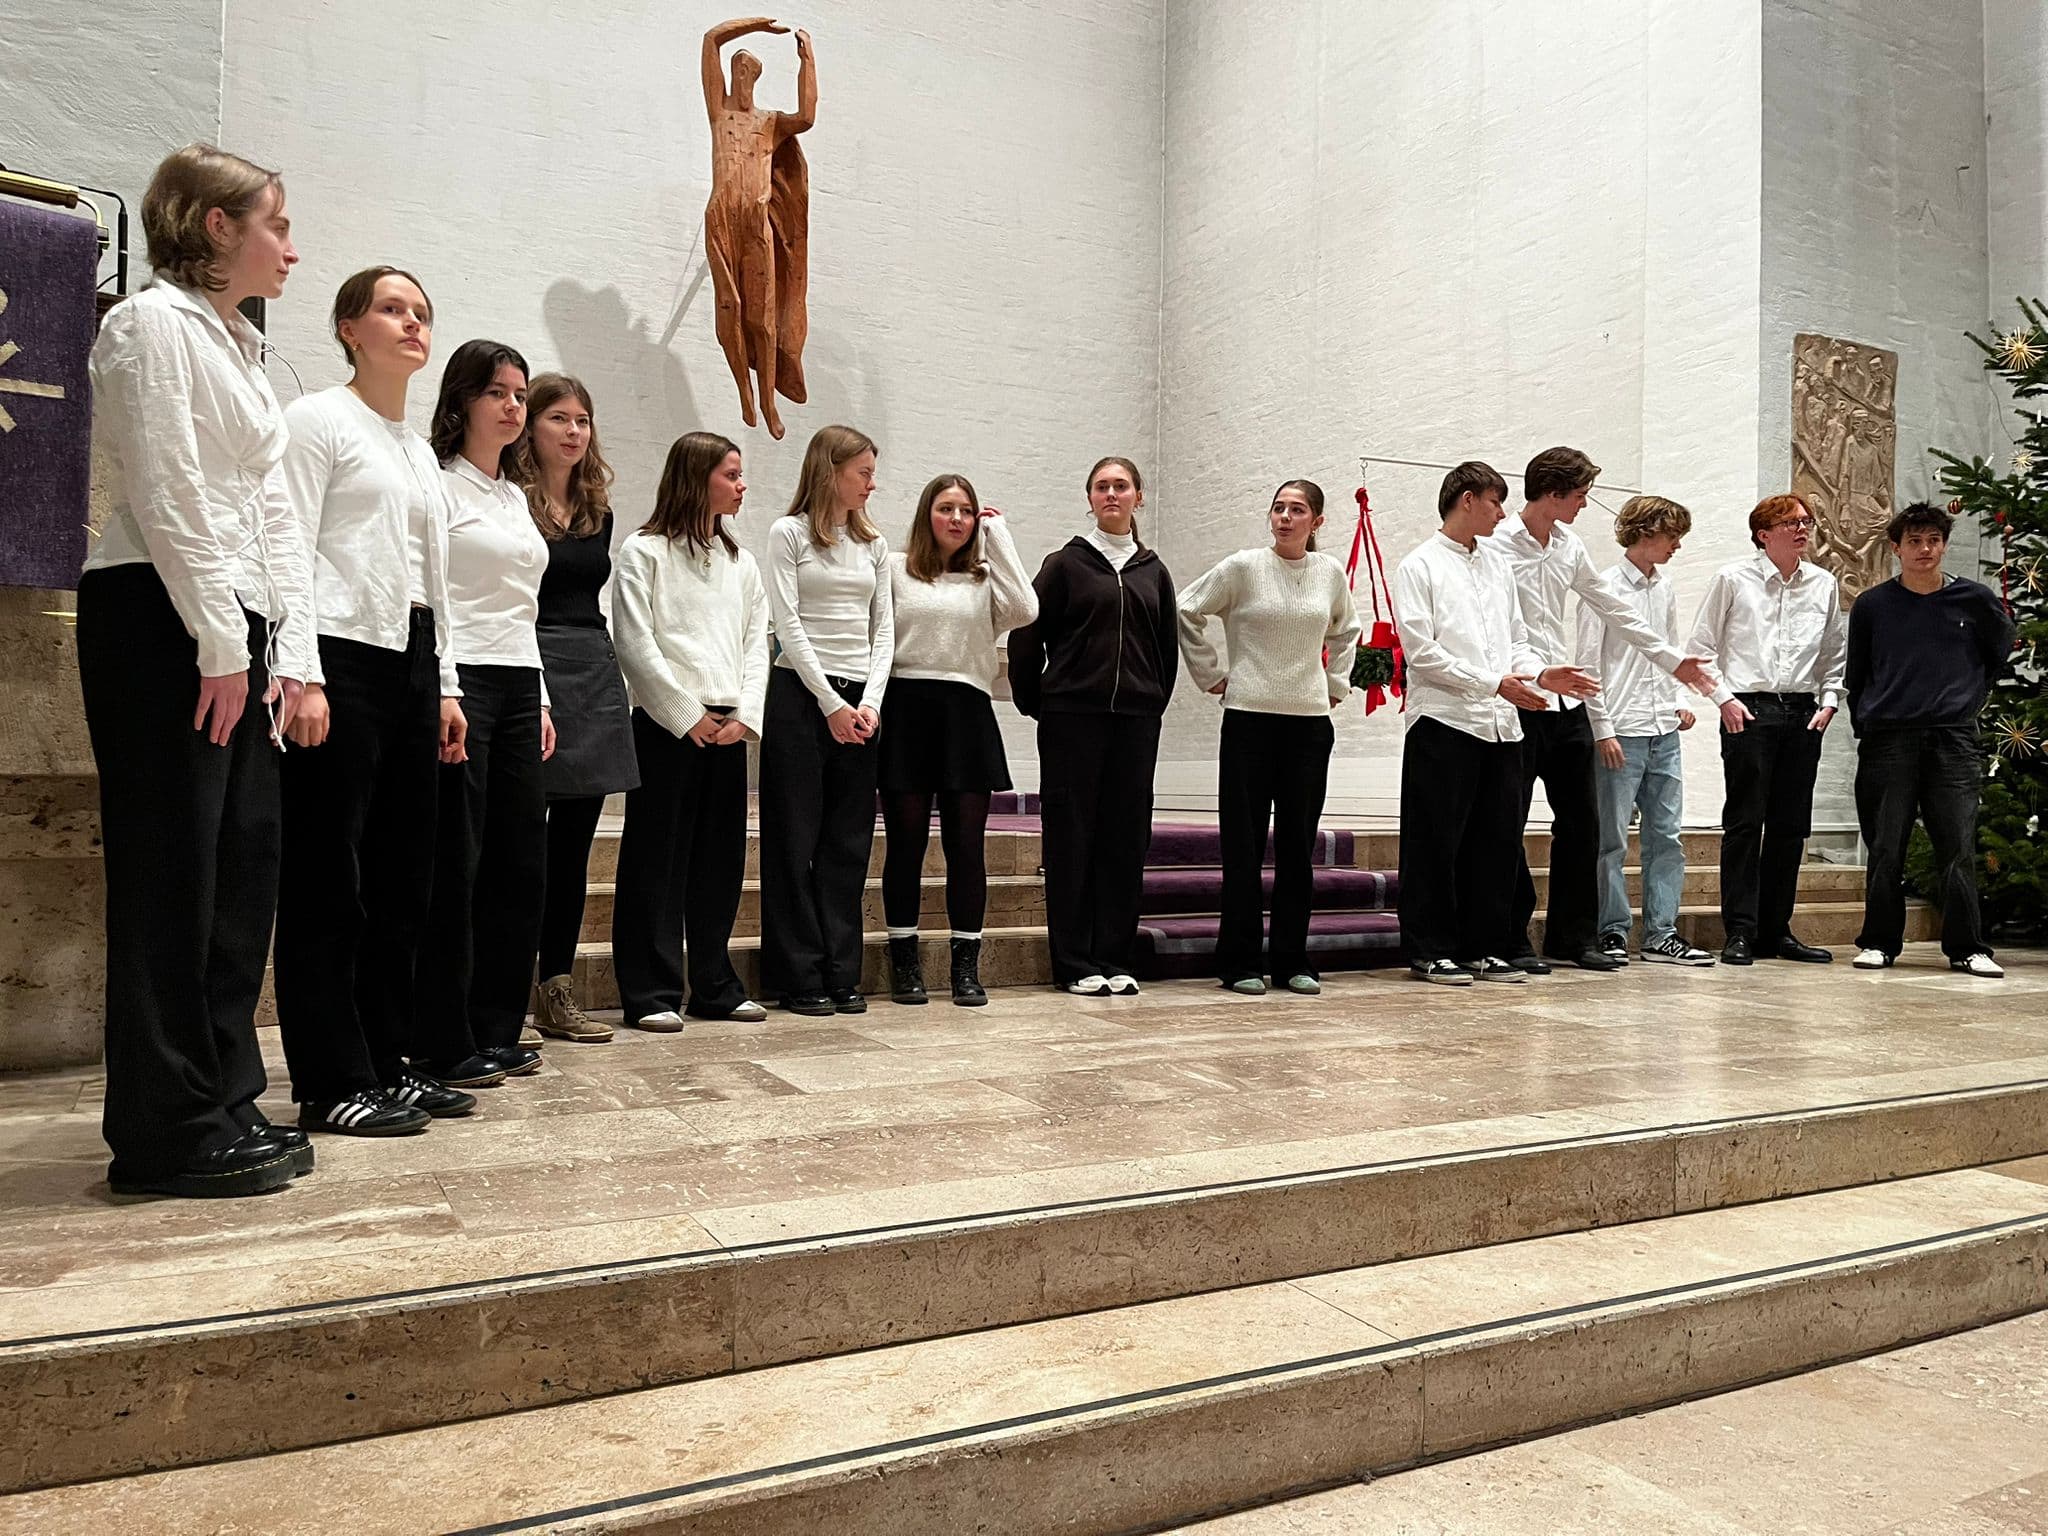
(717, 38)
(806, 86)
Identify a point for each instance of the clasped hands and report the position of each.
(850, 726)
(715, 730)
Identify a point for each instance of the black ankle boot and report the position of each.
(906, 972)
(967, 988)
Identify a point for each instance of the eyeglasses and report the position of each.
(1797, 524)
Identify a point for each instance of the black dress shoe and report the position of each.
(1596, 960)
(1738, 950)
(251, 1119)
(812, 1005)
(436, 1098)
(478, 1071)
(517, 1060)
(1534, 964)
(253, 1165)
(1789, 948)
(848, 1000)
(366, 1112)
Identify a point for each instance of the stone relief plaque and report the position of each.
(1843, 441)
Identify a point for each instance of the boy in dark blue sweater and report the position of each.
(1924, 649)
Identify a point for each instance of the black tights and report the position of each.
(963, 825)
(572, 826)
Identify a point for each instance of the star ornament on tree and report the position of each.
(2016, 738)
(2020, 348)
(2022, 462)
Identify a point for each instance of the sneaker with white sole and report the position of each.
(1123, 985)
(1672, 950)
(1614, 946)
(1445, 973)
(1979, 964)
(1090, 986)
(1873, 960)
(1493, 968)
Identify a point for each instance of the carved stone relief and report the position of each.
(1843, 441)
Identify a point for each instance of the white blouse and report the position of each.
(375, 512)
(831, 611)
(946, 628)
(187, 437)
(495, 560)
(691, 630)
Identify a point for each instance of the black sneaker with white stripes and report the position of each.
(1672, 950)
(424, 1093)
(1444, 973)
(1493, 968)
(366, 1112)
(1614, 946)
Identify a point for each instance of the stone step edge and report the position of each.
(84, 1406)
(1151, 1458)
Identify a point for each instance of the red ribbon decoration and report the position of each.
(1385, 636)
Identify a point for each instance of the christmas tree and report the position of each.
(2011, 506)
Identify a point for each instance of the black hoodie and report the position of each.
(1104, 642)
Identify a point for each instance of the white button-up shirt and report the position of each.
(495, 560)
(375, 512)
(187, 438)
(1765, 633)
(1548, 575)
(1635, 699)
(1461, 632)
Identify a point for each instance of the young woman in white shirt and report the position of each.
(381, 709)
(956, 586)
(475, 968)
(828, 596)
(198, 567)
(568, 487)
(1290, 632)
(691, 618)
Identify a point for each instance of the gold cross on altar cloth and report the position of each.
(19, 386)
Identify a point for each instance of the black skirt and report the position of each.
(593, 726)
(939, 736)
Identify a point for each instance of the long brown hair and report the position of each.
(1311, 493)
(1137, 484)
(921, 557)
(830, 449)
(682, 506)
(590, 480)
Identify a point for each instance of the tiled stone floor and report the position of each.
(730, 1134)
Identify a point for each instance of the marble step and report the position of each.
(1154, 1412)
(95, 1405)
(1817, 882)
(1014, 901)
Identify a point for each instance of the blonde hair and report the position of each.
(830, 450)
(1643, 517)
(189, 184)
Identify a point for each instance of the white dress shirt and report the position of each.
(831, 611)
(1289, 627)
(496, 557)
(375, 513)
(1765, 633)
(946, 628)
(187, 437)
(691, 628)
(1548, 575)
(1461, 633)
(1635, 698)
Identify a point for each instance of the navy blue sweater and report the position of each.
(1919, 659)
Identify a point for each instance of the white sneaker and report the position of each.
(1090, 986)
(667, 1022)
(1872, 960)
(1979, 964)
(1123, 986)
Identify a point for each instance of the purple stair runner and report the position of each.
(1175, 892)
(1337, 941)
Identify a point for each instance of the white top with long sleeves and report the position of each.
(831, 611)
(1548, 575)
(496, 557)
(946, 628)
(186, 438)
(375, 513)
(1116, 548)
(1461, 633)
(1635, 698)
(1280, 619)
(691, 630)
(1763, 633)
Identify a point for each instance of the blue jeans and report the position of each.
(1649, 777)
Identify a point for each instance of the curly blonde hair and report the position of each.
(1642, 516)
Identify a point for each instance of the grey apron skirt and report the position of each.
(593, 726)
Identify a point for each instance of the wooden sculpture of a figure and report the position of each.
(757, 224)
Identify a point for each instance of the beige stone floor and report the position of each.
(731, 1134)
(1948, 1438)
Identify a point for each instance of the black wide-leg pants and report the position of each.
(1095, 799)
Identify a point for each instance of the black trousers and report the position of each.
(189, 833)
(1769, 767)
(358, 868)
(572, 828)
(1095, 797)
(682, 860)
(1270, 768)
(1557, 747)
(1935, 774)
(474, 974)
(1461, 820)
(817, 831)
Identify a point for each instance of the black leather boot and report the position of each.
(967, 988)
(906, 972)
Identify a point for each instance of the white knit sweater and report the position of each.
(691, 630)
(1279, 617)
(946, 628)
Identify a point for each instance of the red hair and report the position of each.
(1773, 510)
